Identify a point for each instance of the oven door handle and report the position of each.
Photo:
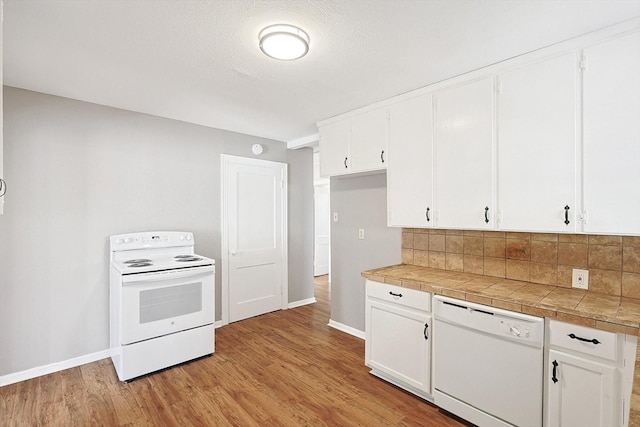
(159, 276)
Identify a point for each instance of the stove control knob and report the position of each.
(182, 237)
(119, 242)
(188, 236)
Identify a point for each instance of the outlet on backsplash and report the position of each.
(580, 279)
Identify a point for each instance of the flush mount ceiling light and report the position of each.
(284, 42)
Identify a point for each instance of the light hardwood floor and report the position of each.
(286, 368)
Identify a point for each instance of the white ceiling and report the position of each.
(199, 61)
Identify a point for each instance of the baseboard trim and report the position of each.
(302, 302)
(348, 329)
(53, 367)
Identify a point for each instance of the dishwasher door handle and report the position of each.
(455, 305)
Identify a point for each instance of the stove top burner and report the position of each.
(183, 256)
(140, 264)
(188, 259)
(137, 261)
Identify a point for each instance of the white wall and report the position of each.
(361, 202)
(78, 173)
(300, 223)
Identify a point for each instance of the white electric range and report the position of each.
(162, 302)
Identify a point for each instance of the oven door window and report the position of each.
(156, 307)
(165, 303)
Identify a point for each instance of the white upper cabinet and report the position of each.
(410, 171)
(369, 141)
(537, 120)
(334, 148)
(611, 105)
(464, 155)
(354, 144)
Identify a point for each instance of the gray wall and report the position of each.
(361, 202)
(78, 173)
(301, 229)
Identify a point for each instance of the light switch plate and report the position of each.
(580, 279)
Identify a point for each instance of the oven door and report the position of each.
(161, 303)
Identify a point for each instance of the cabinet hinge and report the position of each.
(583, 63)
(583, 217)
(498, 85)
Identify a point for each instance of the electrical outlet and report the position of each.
(580, 279)
(361, 233)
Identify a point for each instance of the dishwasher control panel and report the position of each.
(515, 329)
(490, 320)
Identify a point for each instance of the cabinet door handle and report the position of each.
(566, 215)
(553, 374)
(3, 187)
(382, 156)
(427, 215)
(575, 337)
(486, 214)
(425, 332)
(345, 163)
(395, 295)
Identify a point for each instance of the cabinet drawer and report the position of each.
(580, 338)
(399, 295)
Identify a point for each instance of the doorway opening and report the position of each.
(322, 222)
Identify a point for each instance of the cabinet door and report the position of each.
(612, 136)
(410, 168)
(2, 190)
(334, 148)
(398, 343)
(537, 146)
(584, 394)
(368, 142)
(464, 155)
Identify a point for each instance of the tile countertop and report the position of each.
(607, 312)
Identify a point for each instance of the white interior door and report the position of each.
(254, 230)
(322, 230)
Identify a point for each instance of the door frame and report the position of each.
(226, 161)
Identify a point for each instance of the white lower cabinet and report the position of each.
(584, 394)
(588, 376)
(398, 336)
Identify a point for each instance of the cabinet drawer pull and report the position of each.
(425, 332)
(566, 215)
(3, 187)
(575, 337)
(427, 215)
(553, 375)
(382, 156)
(345, 163)
(486, 214)
(395, 295)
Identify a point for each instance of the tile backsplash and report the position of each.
(613, 261)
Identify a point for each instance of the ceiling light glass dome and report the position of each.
(284, 42)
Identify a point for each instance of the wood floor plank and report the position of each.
(286, 368)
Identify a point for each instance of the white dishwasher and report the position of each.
(488, 363)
